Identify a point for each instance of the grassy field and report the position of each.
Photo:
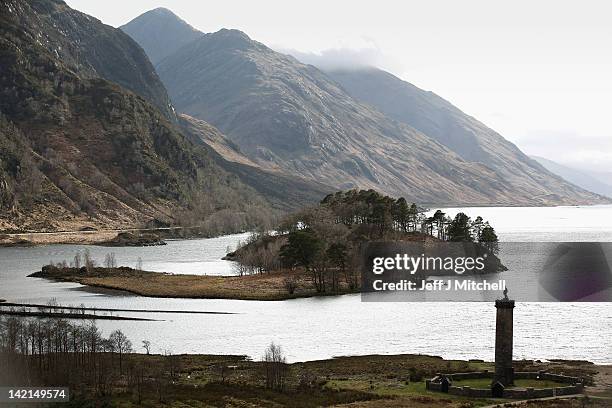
(359, 381)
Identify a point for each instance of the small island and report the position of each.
(314, 252)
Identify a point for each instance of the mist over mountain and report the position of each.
(171, 33)
(590, 181)
(296, 119)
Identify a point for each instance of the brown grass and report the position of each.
(267, 286)
(48, 238)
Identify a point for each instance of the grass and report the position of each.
(372, 381)
(405, 391)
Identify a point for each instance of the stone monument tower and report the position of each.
(504, 373)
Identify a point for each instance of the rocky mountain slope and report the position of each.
(87, 47)
(293, 118)
(285, 192)
(439, 119)
(171, 33)
(77, 149)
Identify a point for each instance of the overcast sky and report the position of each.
(538, 72)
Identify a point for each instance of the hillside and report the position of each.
(295, 119)
(284, 192)
(463, 134)
(287, 116)
(76, 149)
(87, 47)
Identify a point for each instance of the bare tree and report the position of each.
(90, 264)
(221, 370)
(146, 344)
(109, 261)
(275, 364)
(77, 260)
(290, 285)
(122, 345)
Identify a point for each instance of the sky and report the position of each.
(538, 72)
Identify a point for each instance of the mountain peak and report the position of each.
(231, 38)
(162, 11)
(160, 32)
(233, 33)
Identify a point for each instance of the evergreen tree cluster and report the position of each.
(325, 240)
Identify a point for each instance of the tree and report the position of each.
(146, 344)
(414, 216)
(109, 261)
(477, 226)
(459, 229)
(438, 219)
(77, 260)
(301, 249)
(275, 365)
(401, 214)
(122, 345)
(290, 285)
(90, 264)
(337, 253)
(139, 264)
(489, 239)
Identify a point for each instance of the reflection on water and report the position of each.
(320, 328)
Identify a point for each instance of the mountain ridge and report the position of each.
(295, 118)
(78, 149)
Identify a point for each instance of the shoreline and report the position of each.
(104, 237)
(261, 287)
(75, 316)
(104, 309)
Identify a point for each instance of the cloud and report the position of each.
(593, 153)
(345, 58)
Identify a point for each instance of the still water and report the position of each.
(313, 328)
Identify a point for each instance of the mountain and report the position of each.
(585, 179)
(160, 33)
(292, 118)
(461, 133)
(284, 192)
(78, 149)
(87, 47)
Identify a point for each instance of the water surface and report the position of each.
(319, 328)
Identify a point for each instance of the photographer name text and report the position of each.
(437, 285)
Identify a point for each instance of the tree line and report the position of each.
(59, 352)
(69, 352)
(325, 240)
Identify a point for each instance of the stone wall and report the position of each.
(576, 387)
